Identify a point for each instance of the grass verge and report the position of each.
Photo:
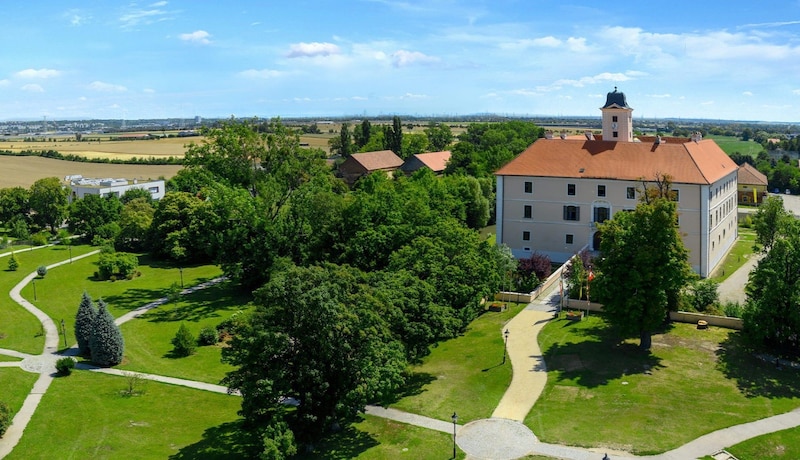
(741, 252)
(779, 445)
(85, 416)
(15, 384)
(605, 393)
(463, 374)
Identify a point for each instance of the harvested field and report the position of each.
(24, 171)
(175, 147)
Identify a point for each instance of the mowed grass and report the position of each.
(20, 330)
(731, 144)
(464, 374)
(59, 292)
(24, 171)
(378, 439)
(85, 416)
(741, 252)
(15, 384)
(148, 346)
(783, 444)
(605, 393)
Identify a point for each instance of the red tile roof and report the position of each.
(700, 162)
(749, 175)
(436, 161)
(374, 161)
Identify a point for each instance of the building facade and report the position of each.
(551, 198)
(81, 186)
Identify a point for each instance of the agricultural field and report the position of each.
(731, 144)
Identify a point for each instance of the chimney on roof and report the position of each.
(697, 136)
(563, 134)
(548, 134)
(589, 135)
(659, 140)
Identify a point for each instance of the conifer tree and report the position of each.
(106, 343)
(83, 323)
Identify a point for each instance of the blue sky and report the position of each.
(700, 59)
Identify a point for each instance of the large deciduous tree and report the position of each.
(769, 221)
(88, 214)
(48, 201)
(317, 337)
(642, 268)
(772, 316)
(14, 204)
(440, 136)
(484, 147)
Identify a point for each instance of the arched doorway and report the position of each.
(596, 241)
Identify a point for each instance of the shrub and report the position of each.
(117, 264)
(65, 365)
(174, 292)
(5, 417)
(207, 336)
(13, 263)
(184, 342)
(41, 270)
(40, 239)
(233, 325)
(702, 295)
(3, 242)
(106, 343)
(19, 230)
(733, 309)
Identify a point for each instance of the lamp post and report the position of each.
(505, 345)
(180, 269)
(64, 332)
(455, 420)
(34, 289)
(70, 252)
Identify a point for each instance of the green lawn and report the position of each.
(606, 394)
(85, 416)
(741, 252)
(463, 374)
(20, 330)
(15, 384)
(147, 338)
(377, 438)
(779, 445)
(59, 293)
(731, 144)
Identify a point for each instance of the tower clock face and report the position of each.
(613, 126)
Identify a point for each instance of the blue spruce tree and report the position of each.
(106, 342)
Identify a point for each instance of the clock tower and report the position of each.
(617, 118)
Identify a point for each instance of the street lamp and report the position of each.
(70, 252)
(180, 269)
(34, 289)
(455, 420)
(64, 332)
(505, 345)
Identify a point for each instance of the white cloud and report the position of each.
(796, 92)
(359, 98)
(707, 103)
(75, 17)
(747, 93)
(5, 82)
(302, 49)
(136, 17)
(32, 88)
(158, 4)
(661, 96)
(261, 74)
(198, 36)
(403, 58)
(38, 73)
(104, 87)
(149, 91)
(584, 81)
(413, 96)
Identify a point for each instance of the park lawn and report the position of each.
(86, 416)
(782, 444)
(463, 375)
(731, 144)
(19, 329)
(741, 252)
(59, 292)
(378, 438)
(15, 384)
(8, 358)
(605, 393)
(148, 346)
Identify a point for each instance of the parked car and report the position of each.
(788, 192)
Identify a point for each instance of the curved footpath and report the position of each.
(501, 437)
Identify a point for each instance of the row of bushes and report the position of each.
(185, 343)
(81, 159)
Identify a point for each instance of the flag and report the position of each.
(755, 196)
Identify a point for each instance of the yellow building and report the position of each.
(752, 185)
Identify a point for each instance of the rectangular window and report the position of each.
(601, 214)
(570, 238)
(526, 236)
(676, 195)
(572, 213)
(601, 190)
(528, 187)
(153, 190)
(631, 193)
(528, 212)
(570, 189)
(614, 118)
(615, 134)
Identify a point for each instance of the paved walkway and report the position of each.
(732, 289)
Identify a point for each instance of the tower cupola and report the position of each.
(617, 118)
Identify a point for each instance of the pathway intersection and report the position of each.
(501, 437)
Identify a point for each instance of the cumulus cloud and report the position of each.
(32, 88)
(575, 44)
(403, 58)
(5, 82)
(297, 50)
(603, 77)
(747, 93)
(796, 92)
(38, 73)
(198, 36)
(104, 87)
(76, 17)
(260, 74)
